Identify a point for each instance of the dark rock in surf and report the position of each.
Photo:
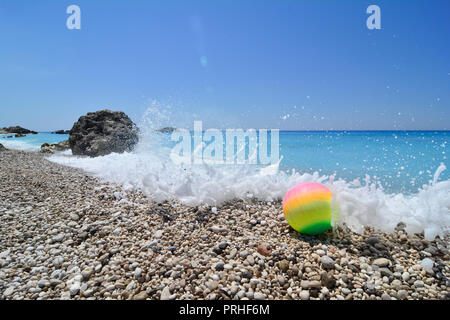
(2, 148)
(103, 132)
(18, 130)
(167, 130)
(53, 147)
(62, 132)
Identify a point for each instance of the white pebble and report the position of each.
(427, 264)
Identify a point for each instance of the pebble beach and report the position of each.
(67, 235)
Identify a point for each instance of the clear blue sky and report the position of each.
(229, 63)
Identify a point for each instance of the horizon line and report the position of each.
(320, 130)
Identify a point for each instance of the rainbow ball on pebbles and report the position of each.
(307, 208)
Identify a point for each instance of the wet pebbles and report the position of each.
(65, 235)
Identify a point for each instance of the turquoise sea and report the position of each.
(401, 161)
(31, 142)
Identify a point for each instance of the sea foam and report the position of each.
(19, 145)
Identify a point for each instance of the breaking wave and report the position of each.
(360, 202)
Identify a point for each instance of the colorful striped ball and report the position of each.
(307, 208)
